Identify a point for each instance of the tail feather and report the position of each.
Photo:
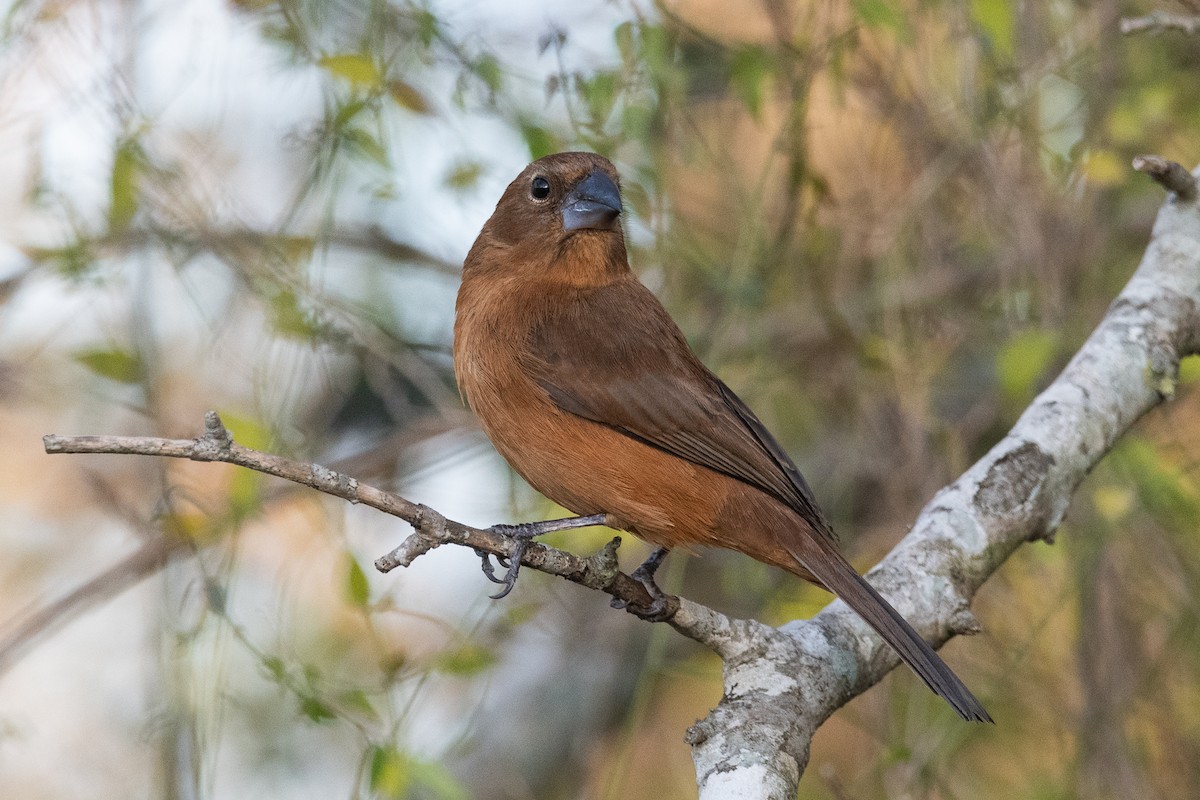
(832, 569)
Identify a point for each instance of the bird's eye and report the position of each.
(540, 188)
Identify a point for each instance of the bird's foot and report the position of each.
(521, 536)
(657, 611)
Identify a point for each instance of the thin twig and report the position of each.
(432, 529)
(1171, 176)
(370, 240)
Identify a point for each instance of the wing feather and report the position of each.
(647, 384)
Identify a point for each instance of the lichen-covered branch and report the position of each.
(755, 743)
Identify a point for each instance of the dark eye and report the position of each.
(540, 188)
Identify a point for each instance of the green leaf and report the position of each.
(464, 175)
(288, 318)
(539, 140)
(639, 122)
(428, 26)
(118, 365)
(312, 674)
(366, 145)
(748, 72)
(357, 700)
(127, 163)
(245, 493)
(995, 19)
(293, 249)
(1023, 360)
(1162, 487)
(882, 14)
(487, 68)
(437, 781)
(274, 667)
(357, 588)
(658, 50)
(623, 36)
(389, 773)
(316, 710)
(600, 93)
(876, 353)
(358, 69)
(469, 659)
(347, 112)
(72, 260)
(247, 431)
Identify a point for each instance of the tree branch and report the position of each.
(431, 528)
(789, 680)
(251, 242)
(782, 683)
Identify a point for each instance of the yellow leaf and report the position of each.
(357, 587)
(126, 169)
(1113, 502)
(390, 772)
(191, 526)
(1189, 369)
(358, 69)
(1105, 168)
(115, 364)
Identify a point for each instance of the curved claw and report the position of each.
(521, 535)
(489, 571)
(508, 587)
(644, 574)
(514, 568)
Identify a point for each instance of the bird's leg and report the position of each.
(521, 535)
(644, 575)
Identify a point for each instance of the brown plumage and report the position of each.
(589, 390)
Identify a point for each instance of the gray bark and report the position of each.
(782, 683)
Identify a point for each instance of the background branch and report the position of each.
(1161, 21)
(143, 562)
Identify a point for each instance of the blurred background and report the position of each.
(885, 224)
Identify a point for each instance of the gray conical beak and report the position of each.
(594, 203)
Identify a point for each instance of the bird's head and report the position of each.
(562, 213)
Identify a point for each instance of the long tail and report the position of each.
(832, 569)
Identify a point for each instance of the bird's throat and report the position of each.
(590, 258)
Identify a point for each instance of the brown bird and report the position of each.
(587, 387)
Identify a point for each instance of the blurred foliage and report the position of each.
(886, 225)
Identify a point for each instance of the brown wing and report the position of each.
(614, 356)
